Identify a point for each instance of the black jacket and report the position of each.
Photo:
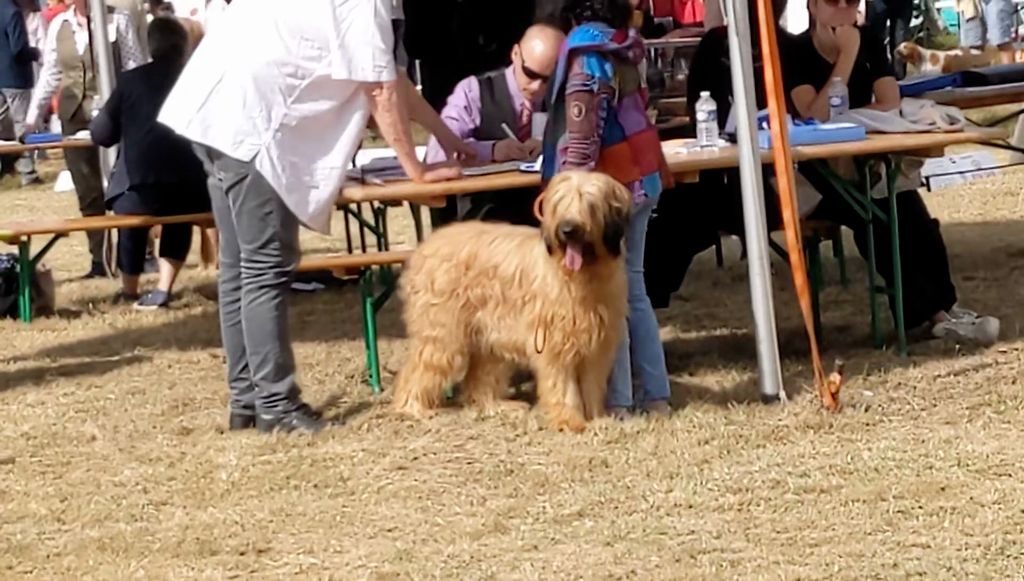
(16, 56)
(150, 153)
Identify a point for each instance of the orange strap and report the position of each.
(783, 162)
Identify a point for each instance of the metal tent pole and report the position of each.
(105, 74)
(755, 226)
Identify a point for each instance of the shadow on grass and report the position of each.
(39, 375)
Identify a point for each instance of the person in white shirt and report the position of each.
(70, 71)
(277, 103)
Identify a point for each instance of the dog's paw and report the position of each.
(505, 407)
(414, 411)
(574, 424)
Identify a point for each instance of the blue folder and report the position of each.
(40, 138)
(812, 132)
(920, 86)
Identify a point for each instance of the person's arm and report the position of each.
(106, 126)
(17, 39)
(887, 94)
(49, 77)
(884, 87)
(585, 106)
(812, 101)
(132, 52)
(452, 129)
(389, 110)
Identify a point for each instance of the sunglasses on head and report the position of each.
(530, 73)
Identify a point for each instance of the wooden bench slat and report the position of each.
(353, 261)
(12, 231)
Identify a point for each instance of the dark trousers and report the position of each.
(84, 165)
(890, 21)
(175, 239)
(927, 283)
(511, 206)
(259, 251)
(689, 219)
(689, 222)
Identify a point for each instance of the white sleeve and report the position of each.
(49, 75)
(363, 45)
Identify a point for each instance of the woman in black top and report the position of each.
(832, 47)
(156, 172)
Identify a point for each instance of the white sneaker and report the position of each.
(983, 331)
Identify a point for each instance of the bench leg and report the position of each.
(25, 281)
(897, 276)
(370, 329)
(719, 258)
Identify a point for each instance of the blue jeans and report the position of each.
(641, 348)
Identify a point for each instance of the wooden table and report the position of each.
(684, 163)
(687, 163)
(63, 144)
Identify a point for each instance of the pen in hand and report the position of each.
(508, 131)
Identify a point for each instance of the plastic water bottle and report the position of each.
(707, 121)
(838, 99)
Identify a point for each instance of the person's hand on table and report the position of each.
(27, 129)
(513, 149)
(455, 148)
(437, 172)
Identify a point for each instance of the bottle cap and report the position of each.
(705, 93)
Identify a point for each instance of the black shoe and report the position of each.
(97, 271)
(299, 419)
(241, 421)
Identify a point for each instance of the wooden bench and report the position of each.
(377, 283)
(21, 232)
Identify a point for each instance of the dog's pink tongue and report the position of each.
(573, 257)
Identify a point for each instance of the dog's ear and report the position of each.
(615, 224)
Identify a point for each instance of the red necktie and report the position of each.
(525, 130)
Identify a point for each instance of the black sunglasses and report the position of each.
(530, 73)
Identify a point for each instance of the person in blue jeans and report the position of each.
(598, 122)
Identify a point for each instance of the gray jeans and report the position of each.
(14, 105)
(259, 250)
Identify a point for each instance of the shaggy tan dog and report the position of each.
(482, 298)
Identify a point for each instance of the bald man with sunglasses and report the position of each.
(480, 105)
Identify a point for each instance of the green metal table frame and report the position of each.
(27, 263)
(858, 194)
(378, 283)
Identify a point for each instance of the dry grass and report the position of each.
(114, 465)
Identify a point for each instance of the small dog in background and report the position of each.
(481, 299)
(927, 61)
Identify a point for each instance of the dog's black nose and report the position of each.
(570, 231)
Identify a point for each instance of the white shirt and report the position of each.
(285, 90)
(120, 29)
